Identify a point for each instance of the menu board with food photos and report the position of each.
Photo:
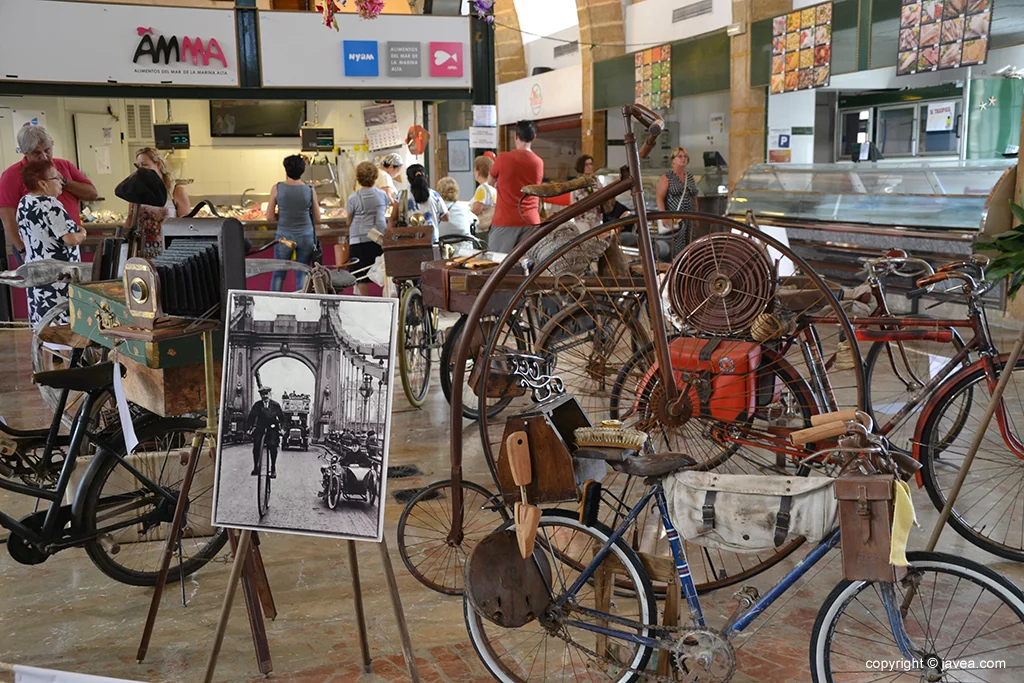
(802, 49)
(942, 34)
(654, 77)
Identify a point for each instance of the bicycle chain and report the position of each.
(643, 673)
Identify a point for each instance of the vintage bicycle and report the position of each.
(586, 607)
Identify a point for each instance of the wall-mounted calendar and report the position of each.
(381, 124)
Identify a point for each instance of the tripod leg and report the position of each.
(396, 604)
(357, 595)
(241, 552)
(173, 541)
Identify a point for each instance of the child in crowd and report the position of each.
(486, 196)
(366, 208)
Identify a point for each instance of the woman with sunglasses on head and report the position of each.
(677, 191)
(48, 232)
(423, 199)
(151, 218)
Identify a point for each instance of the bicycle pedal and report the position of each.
(590, 502)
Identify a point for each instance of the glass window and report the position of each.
(896, 131)
(938, 141)
(854, 128)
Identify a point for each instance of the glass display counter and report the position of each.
(834, 214)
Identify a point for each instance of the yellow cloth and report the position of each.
(903, 518)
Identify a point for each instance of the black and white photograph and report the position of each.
(305, 414)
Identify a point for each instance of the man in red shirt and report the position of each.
(509, 174)
(36, 145)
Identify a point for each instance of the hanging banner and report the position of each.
(802, 49)
(937, 35)
(653, 77)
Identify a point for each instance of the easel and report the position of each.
(258, 599)
(245, 561)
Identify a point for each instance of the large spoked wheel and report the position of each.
(423, 533)
(960, 611)
(895, 371)
(129, 520)
(263, 478)
(414, 341)
(989, 511)
(566, 653)
(739, 289)
(470, 407)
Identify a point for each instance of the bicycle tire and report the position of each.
(629, 563)
(263, 479)
(936, 453)
(333, 491)
(105, 561)
(470, 408)
(447, 578)
(961, 571)
(411, 303)
(876, 351)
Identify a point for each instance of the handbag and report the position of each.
(672, 228)
(750, 513)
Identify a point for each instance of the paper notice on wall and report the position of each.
(102, 155)
(24, 117)
(481, 137)
(779, 150)
(940, 117)
(485, 115)
(716, 124)
(108, 135)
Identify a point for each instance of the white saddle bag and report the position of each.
(750, 513)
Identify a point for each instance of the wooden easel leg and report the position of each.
(229, 596)
(254, 594)
(396, 603)
(259, 577)
(172, 541)
(357, 595)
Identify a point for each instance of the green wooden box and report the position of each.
(95, 306)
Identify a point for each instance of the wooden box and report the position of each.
(550, 428)
(96, 306)
(447, 287)
(406, 248)
(168, 392)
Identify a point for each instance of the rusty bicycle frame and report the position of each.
(630, 180)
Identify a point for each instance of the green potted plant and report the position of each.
(1009, 258)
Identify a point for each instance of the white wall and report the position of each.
(547, 95)
(541, 52)
(690, 124)
(649, 22)
(217, 166)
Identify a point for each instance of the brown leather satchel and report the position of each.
(865, 522)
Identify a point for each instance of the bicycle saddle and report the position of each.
(342, 279)
(78, 379)
(546, 190)
(625, 461)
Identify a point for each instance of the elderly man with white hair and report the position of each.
(37, 145)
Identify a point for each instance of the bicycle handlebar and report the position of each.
(977, 261)
(652, 122)
(893, 264)
(280, 240)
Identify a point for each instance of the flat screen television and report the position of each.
(256, 118)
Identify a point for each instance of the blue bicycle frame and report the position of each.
(742, 620)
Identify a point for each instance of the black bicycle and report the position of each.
(122, 503)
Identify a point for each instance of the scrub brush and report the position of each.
(611, 435)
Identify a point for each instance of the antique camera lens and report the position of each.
(139, 290)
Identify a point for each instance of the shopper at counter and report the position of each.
(37, 145)
(48, 232)
(390, 169)
(366, 209)
(677, 191)
(512, 170)
(423, 199)
(295, 208)
(151, 218)
(485, 197)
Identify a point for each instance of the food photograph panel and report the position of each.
(943, 34)
(802, 49)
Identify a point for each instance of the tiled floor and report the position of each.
(64, 614)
